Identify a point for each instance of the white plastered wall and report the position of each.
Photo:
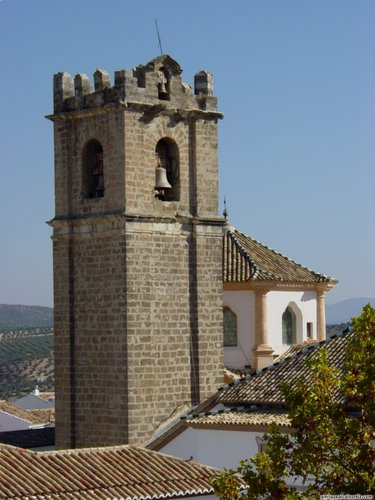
(217, 448)
(303, 304)
(242, 303)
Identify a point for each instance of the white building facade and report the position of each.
(270, 302)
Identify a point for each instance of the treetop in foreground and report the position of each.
(331, 449)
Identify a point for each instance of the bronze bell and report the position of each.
(162, 88)
(161, 179)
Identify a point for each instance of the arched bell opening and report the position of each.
(167, 174)
(163, 84)
(93, 170)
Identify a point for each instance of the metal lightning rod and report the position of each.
(157, 31)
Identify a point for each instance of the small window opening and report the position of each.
(230, 327)
(163, 84)
(140, 75)
(263, 446)
(93, 170)
(309, 330)
(289, 327)
(167, 183)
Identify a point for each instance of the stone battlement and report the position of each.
(157, 82)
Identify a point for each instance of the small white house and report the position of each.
(270, 302)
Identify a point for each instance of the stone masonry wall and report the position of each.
(165, 322)
(142, 296)
(209, 308)
(62, 296)
(91, 352)
(207, 168)
(137, 280)
(141, 139)
(70, 138)
(158, 324)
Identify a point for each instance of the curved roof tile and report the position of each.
(96, 473)
(263, 387)
(239, 418)
(245, 259)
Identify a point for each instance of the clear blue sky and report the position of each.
(295, 80)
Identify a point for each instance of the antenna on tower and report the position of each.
(225, 211)
(159, 39)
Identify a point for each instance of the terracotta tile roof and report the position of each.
(230, 376)
(293, 349)
(98, 473)
(33, 416)
(47, 395)
(263, 387)
(238, 418)
(245, 259)
(46, 415)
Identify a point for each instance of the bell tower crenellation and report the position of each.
(142, 84)
(137, 245)
(130, 117)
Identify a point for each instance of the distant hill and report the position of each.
(25, 316)
(26, 343)
(18, 316)
(336, 329)
(343, 312)
(26, 360)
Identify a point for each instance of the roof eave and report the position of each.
(279, 285)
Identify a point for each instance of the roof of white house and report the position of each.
(256, 400)
(97, 473)
(245, 259)
(239, 418)
(47, 396)
(33, 416)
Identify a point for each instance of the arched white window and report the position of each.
(230, 327)
(289, 327)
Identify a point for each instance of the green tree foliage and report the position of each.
(331, 448)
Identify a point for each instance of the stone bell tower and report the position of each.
(137, 245)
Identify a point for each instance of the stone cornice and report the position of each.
(179, 114)
(83, 113)
(149, 110)
(64, 221)
(326, 287)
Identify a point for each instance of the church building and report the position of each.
(144, 263)
(137, 249)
